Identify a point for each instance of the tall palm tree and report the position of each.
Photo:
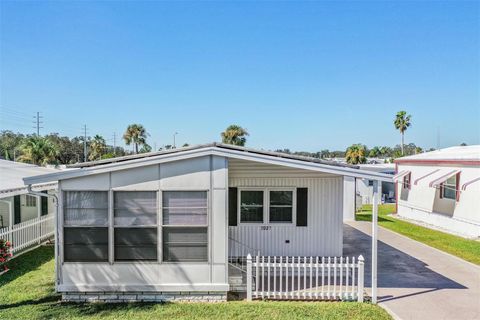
(135, 134)
(355, 154)
(97, 147)
(402, 122)
(235, 135)
(38, 150)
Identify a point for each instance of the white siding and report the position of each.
(204, 173)
(322, 236)
(423, 203)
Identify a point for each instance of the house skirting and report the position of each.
(118, 297)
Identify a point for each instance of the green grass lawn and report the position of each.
(463, 248)
(26, 292)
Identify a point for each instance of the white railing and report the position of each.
(28, 233)
(305, 278)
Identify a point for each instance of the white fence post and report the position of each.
(361, 268)
(249, 277)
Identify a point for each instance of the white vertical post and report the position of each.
(374, 240)
(361, 269)
(39, 215)
(249, 277)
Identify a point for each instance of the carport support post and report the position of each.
(374, 240)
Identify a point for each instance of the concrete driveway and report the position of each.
(416, 281)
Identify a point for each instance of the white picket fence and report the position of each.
(305, 278)
(28, 233)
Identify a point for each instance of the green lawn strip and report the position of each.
(466, 249)
(26, 292)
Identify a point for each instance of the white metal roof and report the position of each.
(460, 153)
(12, 174)
(233, 152)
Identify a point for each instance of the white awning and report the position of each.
(466, 184)
(400, 175)
(444, 177)
(425, 176)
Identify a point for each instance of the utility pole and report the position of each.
(84, 143)
(114, 144)
(37, 123)
(174, 139)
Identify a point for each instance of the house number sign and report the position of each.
(265, 227)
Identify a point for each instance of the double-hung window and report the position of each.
(267, 205)
(281, 206)
(185, 231)
(449, 188)
(30, 201)
(85, 226)
(135, 225)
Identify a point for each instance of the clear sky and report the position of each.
(298, 75)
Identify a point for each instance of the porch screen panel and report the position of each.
(135, 208)
(85, 244)
(185, 244)
(135, 225)
(85, 226)
(185, 208)
(86, 208)
(185, 231)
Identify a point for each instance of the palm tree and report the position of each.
(235, 135)
(402, 122)
(135, 134)
(38, 150)
(97, 148)
(374, 152)
(355, 154)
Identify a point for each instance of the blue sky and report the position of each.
(298, 75)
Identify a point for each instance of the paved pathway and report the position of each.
(416, 281)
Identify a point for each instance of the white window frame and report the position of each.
(161, 226)
(30, 201)
(453, 187)
(266, 206)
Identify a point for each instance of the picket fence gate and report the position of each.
(305, 278)
(28, 233)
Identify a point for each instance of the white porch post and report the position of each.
(374, 240)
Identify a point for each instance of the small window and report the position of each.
(406, 181)
(281, 206)
(370, 183)
(30, 201)
(185, 232)
(251, 206)
(449, 188)
(134, 208)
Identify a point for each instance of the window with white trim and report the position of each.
(185, 226)
(85, 226)
(251, 206)
(30, 201)
(267, 205)
(135, 225)
(407, 181)
(449, 188)
(280, 206)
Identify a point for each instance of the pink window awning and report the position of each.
(444, 177)
(400, 175)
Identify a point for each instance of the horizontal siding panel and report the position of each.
(322, 236)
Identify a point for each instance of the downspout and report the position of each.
(55, 229)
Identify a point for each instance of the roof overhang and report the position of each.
(234, 153)
(444, 177)
(400, 175)
(23, 190)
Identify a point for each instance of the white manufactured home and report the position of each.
(441, 188)
(170, 224)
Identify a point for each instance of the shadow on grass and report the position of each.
(27, 262)
(94, 308)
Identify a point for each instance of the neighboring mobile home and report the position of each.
(25, 219)
(165, 224)
(365, 187)
(441, 188)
